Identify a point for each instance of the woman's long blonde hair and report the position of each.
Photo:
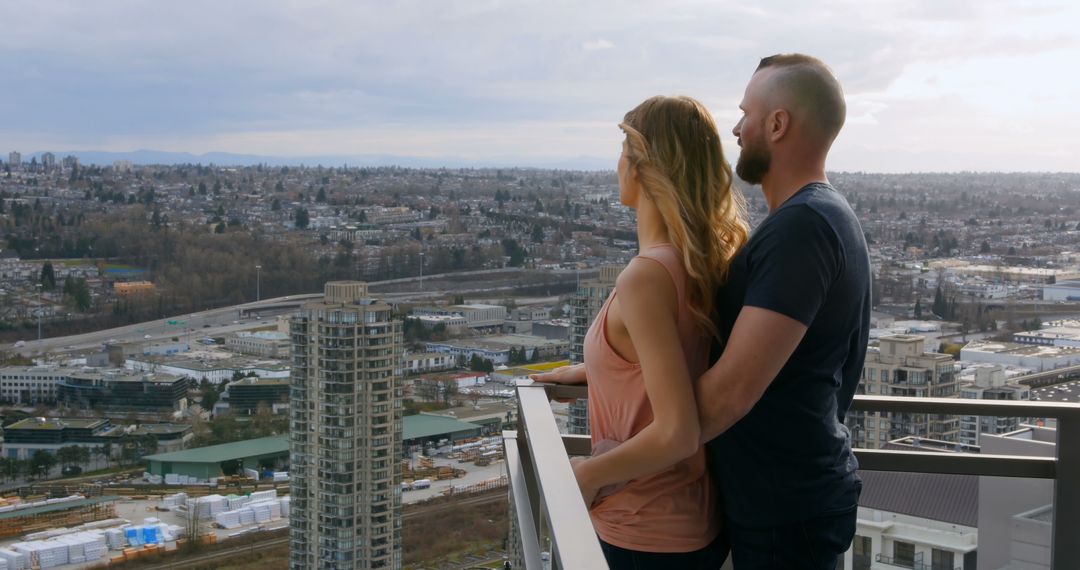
(674, 144)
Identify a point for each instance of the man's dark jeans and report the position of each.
(816, 544)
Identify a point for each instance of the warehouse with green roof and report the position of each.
(217, 460)
(273, 452)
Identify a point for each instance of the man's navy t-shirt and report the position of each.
(789, 459)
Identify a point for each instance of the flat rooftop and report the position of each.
(227, 451)
(56, 423)
(1020, 349)
(19, 513)
(427, 425)
(162, 428)
(1064, 392)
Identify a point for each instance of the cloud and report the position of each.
(596, 45)
(482, 74)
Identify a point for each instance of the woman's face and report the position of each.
(628, 186)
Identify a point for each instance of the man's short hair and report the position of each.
(805, 82)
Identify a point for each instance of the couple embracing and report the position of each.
(722, 364)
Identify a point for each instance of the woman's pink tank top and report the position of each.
(674, 510)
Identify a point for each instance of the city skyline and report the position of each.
(931, 86)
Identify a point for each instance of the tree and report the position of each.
(148, 445)
(918, 310)
(985, 247)
(940, 307)
(209, 397)
(78, 292)
(263, 422)
(107, 452)
(302, 218)
(321, 196)
(129, 449)
(42, 462)
(48, 276)
(67, 455)
(10, 468)
(275, 205)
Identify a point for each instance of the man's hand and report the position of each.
(587, 493)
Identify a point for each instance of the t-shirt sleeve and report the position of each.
(792, 264)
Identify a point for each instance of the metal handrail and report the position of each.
(545, 493)
(892, 561)
(1064, 469)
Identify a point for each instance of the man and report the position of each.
(793, 318)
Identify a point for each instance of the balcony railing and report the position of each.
(550, 518)
(893, 561)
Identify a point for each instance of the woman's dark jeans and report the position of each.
(711, 557)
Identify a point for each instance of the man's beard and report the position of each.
(754, 162)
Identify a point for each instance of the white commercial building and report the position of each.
(1014, 514)
(468, 350)
(215, 372)
(25, 385)
(1056, 333)
(916, 520)
(476, 315)
(427, 362)
(1062, 291)
(989, 383)
(269, 344)
(1036, 358)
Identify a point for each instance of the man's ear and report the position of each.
(777, 124)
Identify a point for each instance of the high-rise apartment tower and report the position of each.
(586, 304)
(345, 435)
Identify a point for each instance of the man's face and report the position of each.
(754, 156)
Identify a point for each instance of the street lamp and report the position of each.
(39, 310)
(258, 294)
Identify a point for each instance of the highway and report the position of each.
(224, 320)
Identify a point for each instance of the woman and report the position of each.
(651, 340)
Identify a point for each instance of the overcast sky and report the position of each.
(932, 85)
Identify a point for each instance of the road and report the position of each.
(195, 561)
(225, 320)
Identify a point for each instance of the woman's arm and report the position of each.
(648, 305)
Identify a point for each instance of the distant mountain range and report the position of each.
(144, 157)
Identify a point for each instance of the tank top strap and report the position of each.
(668, 255)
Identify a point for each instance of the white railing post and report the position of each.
(1065, 546)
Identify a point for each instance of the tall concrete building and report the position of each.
(990, 384)
(900, 366)
(345, 436)
(586, 304)
(48, 161)
(14, 159)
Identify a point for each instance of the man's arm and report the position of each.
(761, 342)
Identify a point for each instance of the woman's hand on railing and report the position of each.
(573, 374)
